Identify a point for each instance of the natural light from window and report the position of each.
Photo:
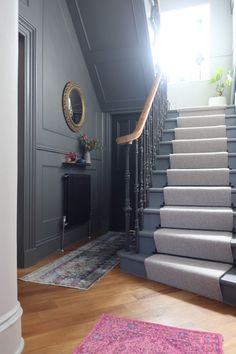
(185, 41)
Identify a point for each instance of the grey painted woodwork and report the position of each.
(115, 42)
(59, 59)
(26, 146)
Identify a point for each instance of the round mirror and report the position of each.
(73, 106)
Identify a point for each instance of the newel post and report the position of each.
(127, 208)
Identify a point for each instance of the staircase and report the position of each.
(187, 240)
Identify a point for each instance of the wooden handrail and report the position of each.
(128, 139)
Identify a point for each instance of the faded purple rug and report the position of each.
(115, 335)
(81, 268)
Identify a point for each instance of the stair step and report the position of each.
(197, 276)
(172, 113)
(200, 132)
(198, 121)
(201, 121)
(199, 160)
(204, 110)
(201, 196)
(208, 245)
(169, 134)
(228, 286)
(197, 145)
(200, 145)
(132, 263)
(194, 177)
(203, 218)
(192, 196)
(151, 219)
(146, 242)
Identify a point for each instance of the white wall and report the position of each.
(197, 93)
(10, 310)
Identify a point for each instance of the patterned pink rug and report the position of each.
(119, 335)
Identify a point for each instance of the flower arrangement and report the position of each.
(88, 144)
(219, 82)
(71, 156)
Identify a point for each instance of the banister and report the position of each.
(129, 138)
(146, 137)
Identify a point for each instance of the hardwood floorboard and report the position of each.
(56, 319)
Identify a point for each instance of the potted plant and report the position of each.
(221, 82)
(87, 145)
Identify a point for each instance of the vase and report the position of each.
(87, 157)
(217, 101)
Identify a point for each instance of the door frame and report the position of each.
(26, 242)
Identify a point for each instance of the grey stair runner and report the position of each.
(201, 121)
(205, 218)
(201, 132)
(193, 242)
(199, 160)
(201, 196)
(198, 177)
(197, 276)
(215, 245)
(199, 145)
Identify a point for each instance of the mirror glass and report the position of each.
(73, 106)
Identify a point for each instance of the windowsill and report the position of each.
(187, 82)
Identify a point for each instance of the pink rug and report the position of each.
(119, 335)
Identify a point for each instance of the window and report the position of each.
(185, 42)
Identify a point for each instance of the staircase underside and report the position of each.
(188, 236)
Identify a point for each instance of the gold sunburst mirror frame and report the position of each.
(73, 103)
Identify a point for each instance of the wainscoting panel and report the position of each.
(53, 139)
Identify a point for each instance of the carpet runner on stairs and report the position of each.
(198, 177)
(193, 242)
(201, 277)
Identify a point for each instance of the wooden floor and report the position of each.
(56, 319)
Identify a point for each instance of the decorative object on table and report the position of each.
(81, 162)
(220, 81)
(113, 334)
(71, 157)
(83, 267)
(73, 103)
(87, 145)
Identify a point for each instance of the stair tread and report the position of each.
(203, 266)
(200, 153)
(220, 153)
(209, 127)
(167, 142)
(194, 169)
(212, 209)
(185, 232)
(229, 127)
(192, 188)
(198, 276)
(201, 116)
(200, 169)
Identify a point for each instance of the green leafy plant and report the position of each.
(220, 82)
(89, 144)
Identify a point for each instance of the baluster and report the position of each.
(151, 145)
(127, 208)
(155, 127)
(136, 197)
(145, 167)
(141, 179)
(148, 162)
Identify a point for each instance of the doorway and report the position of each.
(26, 143)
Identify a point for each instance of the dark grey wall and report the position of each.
(58, 60)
